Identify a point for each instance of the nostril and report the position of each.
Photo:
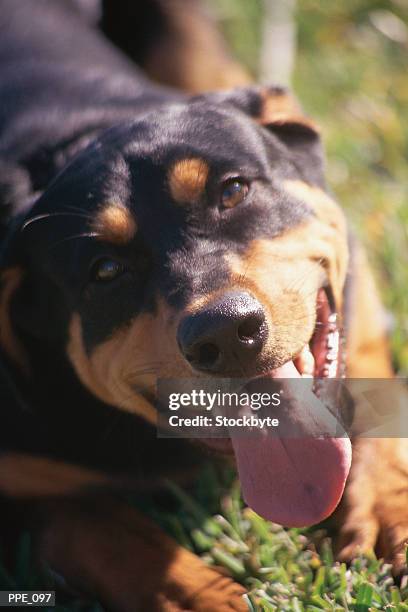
(208, 354)
(250, 329)
(205, 355)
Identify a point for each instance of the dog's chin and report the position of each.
(298, 480)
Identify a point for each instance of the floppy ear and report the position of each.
(277, 110)
(280, 112)
(11, 279)
(25, 301)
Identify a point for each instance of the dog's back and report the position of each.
(56, 97)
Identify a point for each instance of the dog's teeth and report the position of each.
(333, 340)
(330, 369)
(306, 363)
(332, 322)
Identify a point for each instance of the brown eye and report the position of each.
(106, 270)
(234, 192)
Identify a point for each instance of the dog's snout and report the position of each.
(225, 336)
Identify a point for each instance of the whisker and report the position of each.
(55, 214)
(74, 237)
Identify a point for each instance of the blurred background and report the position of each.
(348, 63)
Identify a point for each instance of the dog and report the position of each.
(151, 233)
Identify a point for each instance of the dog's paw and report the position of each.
(357, 538)
(387, 538)
(376, 503)
(223, 595)
(385, 532)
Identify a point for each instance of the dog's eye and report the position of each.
(106, 270)
(234, 192)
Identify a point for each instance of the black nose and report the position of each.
(226, 336)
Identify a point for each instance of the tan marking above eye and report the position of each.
(114, 223)
(187, 179)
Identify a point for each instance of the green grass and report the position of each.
(353, 78)
(283, 570)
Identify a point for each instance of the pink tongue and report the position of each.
(293, 481)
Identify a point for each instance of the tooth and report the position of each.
(330, 369)
(306, 362)
(332, 340)
(332, 322)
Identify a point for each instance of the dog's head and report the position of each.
(195, 241)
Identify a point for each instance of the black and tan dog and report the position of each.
(146, 234)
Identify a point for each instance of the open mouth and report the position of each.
(321, 357)
(298, 480)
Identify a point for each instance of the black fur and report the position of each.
(79, 126)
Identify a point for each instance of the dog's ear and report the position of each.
(26, 306)
(278, 111)
(11, 280)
